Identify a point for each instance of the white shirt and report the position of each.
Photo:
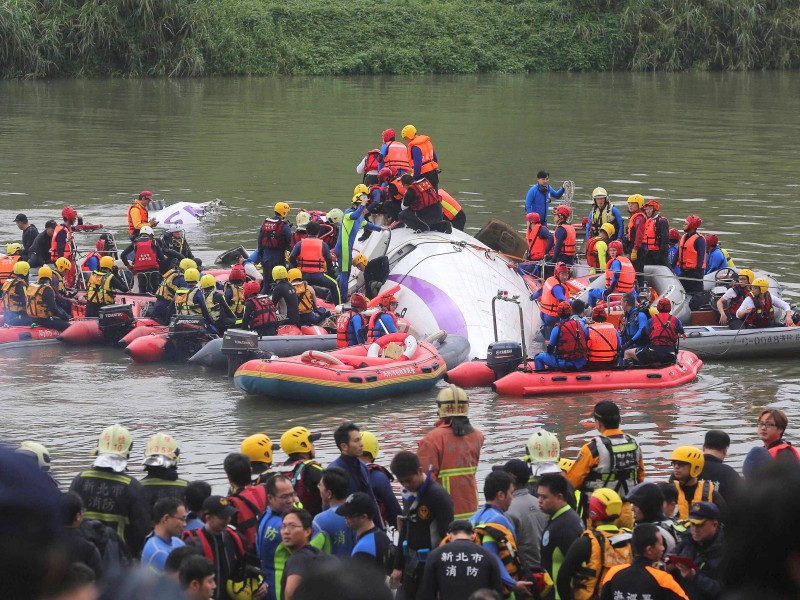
(748, 303)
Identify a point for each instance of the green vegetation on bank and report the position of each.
(68, 38)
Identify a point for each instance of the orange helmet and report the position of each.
(564, 309)
(358, 301)
(387, 300)
(563, 211)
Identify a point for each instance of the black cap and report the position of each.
(462, 526)
(519, 469)
(21, 217)
(356, 504)
(606, 408)
(218, 506)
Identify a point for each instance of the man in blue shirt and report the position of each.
(715, 259)
(372, 549)
(338, 539)
(634, 331)
(538, 198)
(169, 518)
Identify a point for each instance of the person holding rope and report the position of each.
(538, 197)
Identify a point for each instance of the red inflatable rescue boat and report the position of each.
(17, 337)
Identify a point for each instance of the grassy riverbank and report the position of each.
(67, 38)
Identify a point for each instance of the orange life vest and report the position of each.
(636, 220)
(568, 247)
(450, 206)
(423, 142)
(34, 301)
(310, 258)
(143, 217)
(664, 331)
(305, 301)
(14, 291)
(399, 189)
(775, 449)
(67, 246)
(396, 157)
(145, 258)
(425, 195)
(651, 233)
(548, 303)
(374, 319)
(627, 275)
(7, 266)
(536, 244)
(603, 344)
(687, 253)
(571, 341)
(764, 313)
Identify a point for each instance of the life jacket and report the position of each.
(372, 332)
(399, 189)
(450, 206)
(58, 283)
(166, 290)
(342, 326)
(98, 288)
(425, 195)
(372, 161)
(384, 510)
(568, 247)
(618, 464)
(184, 302)
(143, 217)
(251, 503)
(704, 492)
(571, 342)
(7, 266)
(213, 305)
(764, 313)
(201, 536)
(264, 312)
(506, 546)
(627, 275)
(145, 258)
(536, 244)
(54, 243)
(89, 257)
(635, 221)
(592, 257)
(741, 294)
(687, 253)
(548, 303)
(237, 298)
(423, 142)
(651, 239)
(310, 259)
(611, 546)
(305, 302)
(14, 301)
(664, 331)
(34, 301)
(782, 446)
(603, 345)
(601, 217)
(271, 230)
(396, 157)
(298, 235)
(331, 234)
(303, 491)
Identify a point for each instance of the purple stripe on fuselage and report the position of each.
(445, 310)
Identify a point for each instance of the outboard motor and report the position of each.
(187, 334)
(503, 357)
(239, 345)
(115, 321)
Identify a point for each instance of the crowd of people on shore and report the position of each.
(548, 527)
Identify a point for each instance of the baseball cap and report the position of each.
(700, 511)
(356, 504)
(218, 506)
(21, 217)
(606, 408)
(517, 468)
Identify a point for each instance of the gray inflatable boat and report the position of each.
(717, 342)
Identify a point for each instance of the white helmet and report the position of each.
(172, 228)
(335, 216)
(542, 447)
(146, 230)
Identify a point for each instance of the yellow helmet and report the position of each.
(599, 192)
(258, 447)
(187, 263)
(359, 260)
(608, 228)
(282, 209)
(604, 504)
(13, 248)
(565, 464)
(161, 451)
(63, 264)
(652, 311)
(452, 401)
(370, 442)
(115, 440)
(106, 262)
(279, 272)
(298, 439)
(409, 132)
(761, 283)
(360, 189)
(747, 273)
(242, 586)
(191, 276)
(21, 268)
(542, 446)
(41, 453)
(294, 274)
(207, 281)
(45, 272)
(335, 216)
(636, 199)
(691, 455)
(302, 218)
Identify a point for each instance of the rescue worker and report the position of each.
(109, 494)
(173, 280)
(597, 246)
(539, 242)
(663, 333)
(604, 343)
(384, 321)
(634, 323)
(138, 216)
(542, 451)
(672, 250)
(369, 167)
(40, 251)
(7, 262)
(758, 308)
(353, 221)
(564, 237)
(29, 233)
(220, 316)
(258, 448)
(715, 259)
(647, 504)
(233, 290)
(250, 501)
(59, 282)
(313, 257)
(380, 480)
(567, 346)
(634, 234)
(656, 236)
(422, 208)
(14, 296)
(395, 190)
(538, 198)
(269, 547)
(335, 537)
(284, 297)
(300, 468)
(603, 212)
(310, 314)
(612, 459)
(620, 275)
(452, 210)
(191, 300)
(453, 450)
(61, 244)
(302, 220)
(704, 547)
(351, 327)
(378, 196)
(147, 260)
(687, 464)
(422, 157)
(330, 232)
(174, 239)
(91, 261)
(260, 314)
(552, 293)
(772, 424)
(274, 239)
(596, 550)
(102, 286)
(394, 154)
(692, 256)
(161, 457)
(732, 299)
(41, 305)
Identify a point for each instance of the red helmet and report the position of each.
(617, 245)
(251, 288)
(560, 268)
(598, 311)
(385, 174)
(388, 135)
(237, 273)
(674, 235)
(563, 211)
(100, 245)
(712, 240)
(533, 217)
(692, 222)
(584, 221)
(654, 204)
(358, 301)
(146, 194)
(664, 305)
(564, 309)
(386, 300)
(69, 213)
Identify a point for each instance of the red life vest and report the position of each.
(651, 233)
(271, 230)
(423, 142)
(310, 258)
(536, 244)
(764, 313)
(592, 258)
(774, 450)
(201, 535)
(568, 247)
(636, 220)
(67, 246)
(145, 258)
(381, 503)
(297, 236)
(603, 344)
(687, 253)
(425, 195)
(264, 312)
(7, 266)
(571, 341)
(372, 322)
(331, 234)
(664, 331)
(251, 503)
(627, 275)
(741, 294)
(372, 161)
(548, 303)
(396, 157)
(399, 189)
(342, 324)
(450, 206)
(304, 493)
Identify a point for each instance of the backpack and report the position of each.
(113, 553)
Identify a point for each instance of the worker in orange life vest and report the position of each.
(620, 275)
(656, 235)
(384, 321)
(634, 234)
(692, 256)
(605, 341)
(664, 331)
(553, 292)
(394, 154)
(567, 347)
(539, 241)
(313, 257)
(138, 216)
(564, 245)
(421, 156)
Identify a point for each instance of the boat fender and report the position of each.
(439, 336)
(409, 343)
(315, 355)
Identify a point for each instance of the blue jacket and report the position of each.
(715, 261)
(384, 324)
(539, 202)
(357, 330)
(672, 255)
(490, 514)
(382, 488)
(359, 481)
(635, 333)
(268, 542)
(556, 334)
